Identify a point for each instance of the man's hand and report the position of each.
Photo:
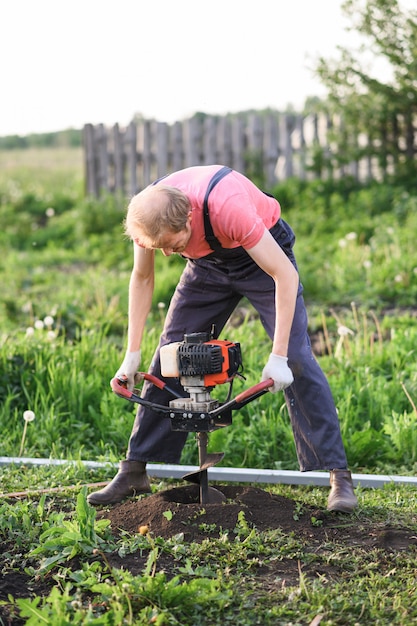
(277, 369)
(129, 367)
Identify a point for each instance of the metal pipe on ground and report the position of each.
(230, 474)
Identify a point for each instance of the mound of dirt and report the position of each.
(178, 510)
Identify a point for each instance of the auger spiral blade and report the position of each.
(208, 495)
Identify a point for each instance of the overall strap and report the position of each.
(211, 238)
(158, 180)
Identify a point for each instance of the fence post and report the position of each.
(161, 149)
(270, 149)
(288, 149)
(224, 141)
(253, 153)
(177, 155)
(192, 138)
(146, 153)
(103, 158)
(238, 144)
(302, 159)
(209, 140)
(132, 158)
(91, 183)
(118, 160)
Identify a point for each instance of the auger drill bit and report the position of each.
(208, 495)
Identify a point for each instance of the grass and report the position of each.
(36, 167)
(61, 373)
(63, 305)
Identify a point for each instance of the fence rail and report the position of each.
(271, 146)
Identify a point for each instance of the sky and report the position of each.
(65, 63)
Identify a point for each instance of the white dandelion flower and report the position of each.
(48, 321)
(28, 416)
(343, 331)
(351, 236)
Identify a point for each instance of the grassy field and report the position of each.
(63, 319)
(64, 276)
(45, 164)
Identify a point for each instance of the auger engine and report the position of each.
(200, 363)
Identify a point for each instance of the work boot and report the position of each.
(130, 480)
(341, 496)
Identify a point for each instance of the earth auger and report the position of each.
(200, 362)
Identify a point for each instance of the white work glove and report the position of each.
(129, 367)
(277, 369)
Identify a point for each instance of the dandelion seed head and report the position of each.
(48, 321)
(39, 325)
(342, 243)
(28, 416)
(161, 305)
(30, 331)
(398, 278)
(344, 330)
(76, 604)
(351, 236)
(50, 212)
(367, 264)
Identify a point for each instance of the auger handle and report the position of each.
(119, 386)
(254, 391)
(244, 397)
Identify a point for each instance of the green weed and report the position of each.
(64, 541)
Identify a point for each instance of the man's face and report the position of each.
(171, 243)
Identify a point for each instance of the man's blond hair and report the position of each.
(155, 211)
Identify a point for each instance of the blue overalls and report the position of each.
(208, 292)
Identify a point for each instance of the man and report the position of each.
(236, 245)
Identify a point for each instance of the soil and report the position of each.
(262, 510)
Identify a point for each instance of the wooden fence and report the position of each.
(272, 147)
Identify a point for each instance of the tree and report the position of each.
(383, 109)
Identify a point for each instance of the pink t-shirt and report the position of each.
(239, 212)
